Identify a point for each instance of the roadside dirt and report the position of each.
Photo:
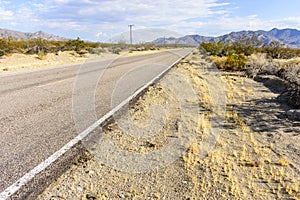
(17, 61)
(197, 134)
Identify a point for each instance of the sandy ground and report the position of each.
(197, 134)
(17, 61)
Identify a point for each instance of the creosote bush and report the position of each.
(236, 53)
(249, 55)
(235, 62)
(2, 53)
(81, 47)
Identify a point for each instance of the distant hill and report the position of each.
(5, 33)
(144, 35)
(289, 37)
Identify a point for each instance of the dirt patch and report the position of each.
(232, 141)
(17, 61)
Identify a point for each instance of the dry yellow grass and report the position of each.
(239, 166)
(17, 61)
(219, 61)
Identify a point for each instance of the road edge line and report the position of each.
(13, 188)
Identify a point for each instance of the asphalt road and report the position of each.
(41, 110)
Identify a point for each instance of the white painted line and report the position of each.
(8, 192)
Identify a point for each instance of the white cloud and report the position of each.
(61, 1)
(88, 18)
(66, 26)
(6, 14)
(100, 35)
(224, 25)
(4, 2)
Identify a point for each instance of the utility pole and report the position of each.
(130, 28)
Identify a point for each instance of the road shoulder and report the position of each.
(255, 156)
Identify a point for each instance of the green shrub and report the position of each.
(246, 45)
(219, 61)
(5, 46)
(213, 48)
(2, 53)
(236, 62)
(116, 50)
(276, 50)
(76, 45)
(41, 55)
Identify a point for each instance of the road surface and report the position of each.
(37, 107)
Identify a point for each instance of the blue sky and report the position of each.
(99, 20)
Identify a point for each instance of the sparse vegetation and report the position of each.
(237, 52)
(243, 163)
(234, 62)
(250, 55)
(41, 55)
(40, 46)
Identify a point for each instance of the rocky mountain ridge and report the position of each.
(289, 37)
(5, 33)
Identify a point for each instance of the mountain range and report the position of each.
(5, 33)
(289, 37)
(143, 35)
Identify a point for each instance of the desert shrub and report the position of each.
(37, 45)
(273, 49)
(290, 71)
(276, 50)
(235, 62)
(294, 96)
(257, 63)
(116, 50)
(213, 48)
(258, 59)
(56, 46)
(245, 45)
(229, 50)
(2, 53)
(97, 51)
(77, 45)
(287, 53)
(41, 44)
(152, 48)
(4, 46)
(219, 61)
(248, 54)
(149, 47)
(41, 55)
(93, 45)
